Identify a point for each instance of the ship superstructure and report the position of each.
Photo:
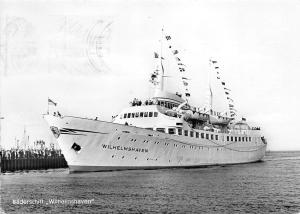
(163, 131)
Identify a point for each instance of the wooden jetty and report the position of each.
(17, 160)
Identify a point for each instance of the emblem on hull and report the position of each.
(55, 131)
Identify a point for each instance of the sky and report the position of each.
(93, 57)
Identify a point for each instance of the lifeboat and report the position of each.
(190, 115)
(219, 120)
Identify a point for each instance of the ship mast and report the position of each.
(210, 96)
(161, 64)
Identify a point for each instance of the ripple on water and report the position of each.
(269, 186)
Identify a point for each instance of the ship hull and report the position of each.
(93, 145)
(78, 168)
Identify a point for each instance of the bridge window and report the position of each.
(137, 114)
(207, 136)
(243, 139)
(250, 139)
(128, 115)
(202, 135)
(160, 130)
(132, 115)
(227, 138)
(145, 114)
(231, 138)
(235, 139)
(150, 114)
(211, 136)
(197, 134)
(155, 114)
(239, 138)
(179, 131)
(246, 139)
(217, 137)
(125, 115)
(171, 131)
(191, 134)
(186, 133)
(141, 114)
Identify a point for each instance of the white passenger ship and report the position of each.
(165, 131)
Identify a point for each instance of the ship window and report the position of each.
(231, 138)
(179, 131)
(145, 114)
(150, 114)
(128, 115)
(186, 132)
(197, 134)
(162, 103)
(171, 131)
(132, 115)
(227, 138)
(137, 114)
(125, 115)
(235, 139)
(191, 134)
(141, 114)
(155, 114)
(217, 137)
(207, 136)
(239, 138)
(160, 130)
(158, 102)
(202, 135)
(211, 136)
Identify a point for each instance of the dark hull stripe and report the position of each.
(72, 134)
(76, 168)
(79, 130)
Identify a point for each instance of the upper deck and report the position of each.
(150, 115)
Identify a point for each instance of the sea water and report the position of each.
(263, 187)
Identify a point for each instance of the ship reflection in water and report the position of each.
(270, 186)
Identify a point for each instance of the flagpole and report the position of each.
(161, 57)
(209, 83)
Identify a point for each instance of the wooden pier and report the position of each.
(31, 160)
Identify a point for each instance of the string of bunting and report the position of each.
(181, 67)
(232, 109)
